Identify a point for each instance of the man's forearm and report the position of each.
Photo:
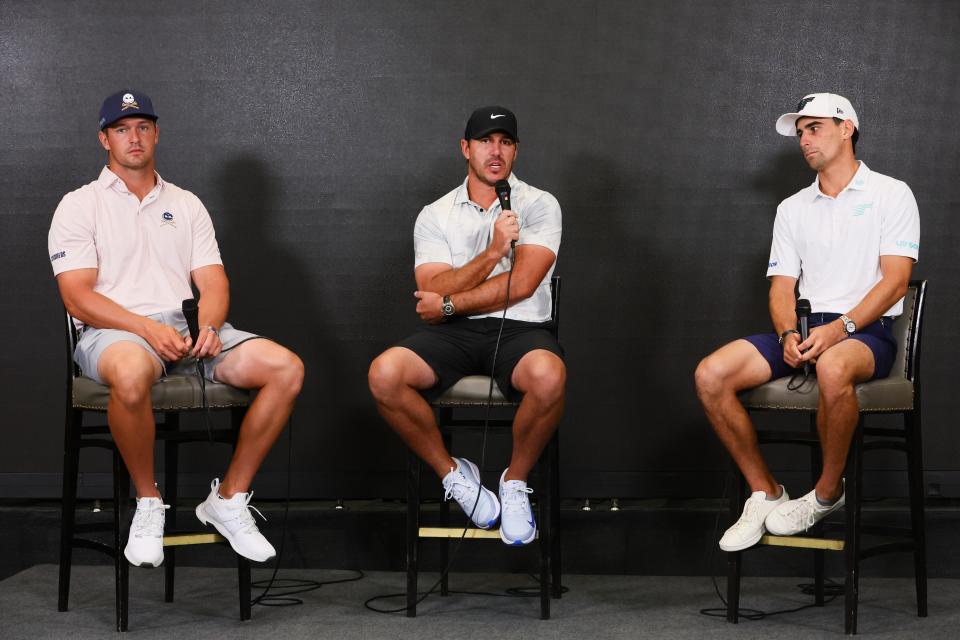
(491, 295)
(463, 278)
(213, 306)
(783, 309)
(97, 310)
(881, 297)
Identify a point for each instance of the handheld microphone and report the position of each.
(189, 307)
(803, 319)
(503, 193)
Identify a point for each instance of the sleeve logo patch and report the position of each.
(772, 264)
(58, 255)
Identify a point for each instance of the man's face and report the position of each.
(822, 140)
(130, 142)
(490, 158)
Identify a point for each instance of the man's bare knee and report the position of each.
(544, 375)
(129, 371)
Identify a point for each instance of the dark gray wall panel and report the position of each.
(314, 132)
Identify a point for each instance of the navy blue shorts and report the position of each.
(877, 336)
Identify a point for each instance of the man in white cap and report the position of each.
(849, 240)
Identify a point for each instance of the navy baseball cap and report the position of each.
(125, 103)
(486, 120)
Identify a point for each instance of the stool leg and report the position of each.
(445, 416)
(68, 499)
(545, 542)
(554, 515)
(917, 518)
(816, 468)
(413, 530)
(734, 559)
(121, 529)
(170, 492)
(243, 582)
(852, 542)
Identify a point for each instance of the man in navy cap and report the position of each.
(848, 241)
(462, 244)
(125, 250)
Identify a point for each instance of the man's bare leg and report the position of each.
(719, 377)
(396, 377)
(277, 373)
(541, 376)
(130, 371)
(839, 368)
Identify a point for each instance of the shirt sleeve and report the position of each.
(541, 223)
(71, 241)
(429, 243)
(205, 250)
(784, 257)
(900, 226)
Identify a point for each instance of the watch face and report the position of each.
(851, 327)
(447, 309)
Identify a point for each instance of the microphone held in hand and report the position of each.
(503, 193)
(803, 320)
(189, 307)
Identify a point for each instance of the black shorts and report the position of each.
(463, 347)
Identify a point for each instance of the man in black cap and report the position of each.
(463, 244)
(125, 249)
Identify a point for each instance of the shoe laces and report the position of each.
(459, 487)
(514, 498)
(750, 509)
(246, 519)
(148, 520)
(802, 514)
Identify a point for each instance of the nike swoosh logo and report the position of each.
(494, 117)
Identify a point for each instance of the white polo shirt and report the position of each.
(143, 251)
(833, 245)
(454, 230)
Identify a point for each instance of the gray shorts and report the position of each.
(93, 341)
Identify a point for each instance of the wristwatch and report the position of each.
(849, 326)
(783, 336)
(447, 307)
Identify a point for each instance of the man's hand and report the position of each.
(208, 344)
(821, 338)
(505, 230)
(166, 341)
(429, 306)
(791, 352)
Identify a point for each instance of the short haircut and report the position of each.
(854, 137)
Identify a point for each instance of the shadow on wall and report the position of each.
(272, 292)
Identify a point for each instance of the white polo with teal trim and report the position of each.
(833, 245)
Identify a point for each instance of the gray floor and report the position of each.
(595, 607)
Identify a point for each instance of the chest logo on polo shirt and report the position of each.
(167, 219)
(861, 209)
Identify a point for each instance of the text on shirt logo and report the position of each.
(58, 255)
(772, 264)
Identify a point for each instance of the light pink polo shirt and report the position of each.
(144, 251)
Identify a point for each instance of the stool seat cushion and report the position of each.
(887, 394)
(471, 391)
(173, 393)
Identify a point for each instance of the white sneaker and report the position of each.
(145, 543)
(797, 516)
(748, 530)
(232, 518)
(517, 526)
(463, 485)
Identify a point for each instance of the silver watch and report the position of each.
(849, 326)
(447, 307)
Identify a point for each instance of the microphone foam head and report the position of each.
(803, 307)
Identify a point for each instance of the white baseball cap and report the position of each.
(817, 105)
